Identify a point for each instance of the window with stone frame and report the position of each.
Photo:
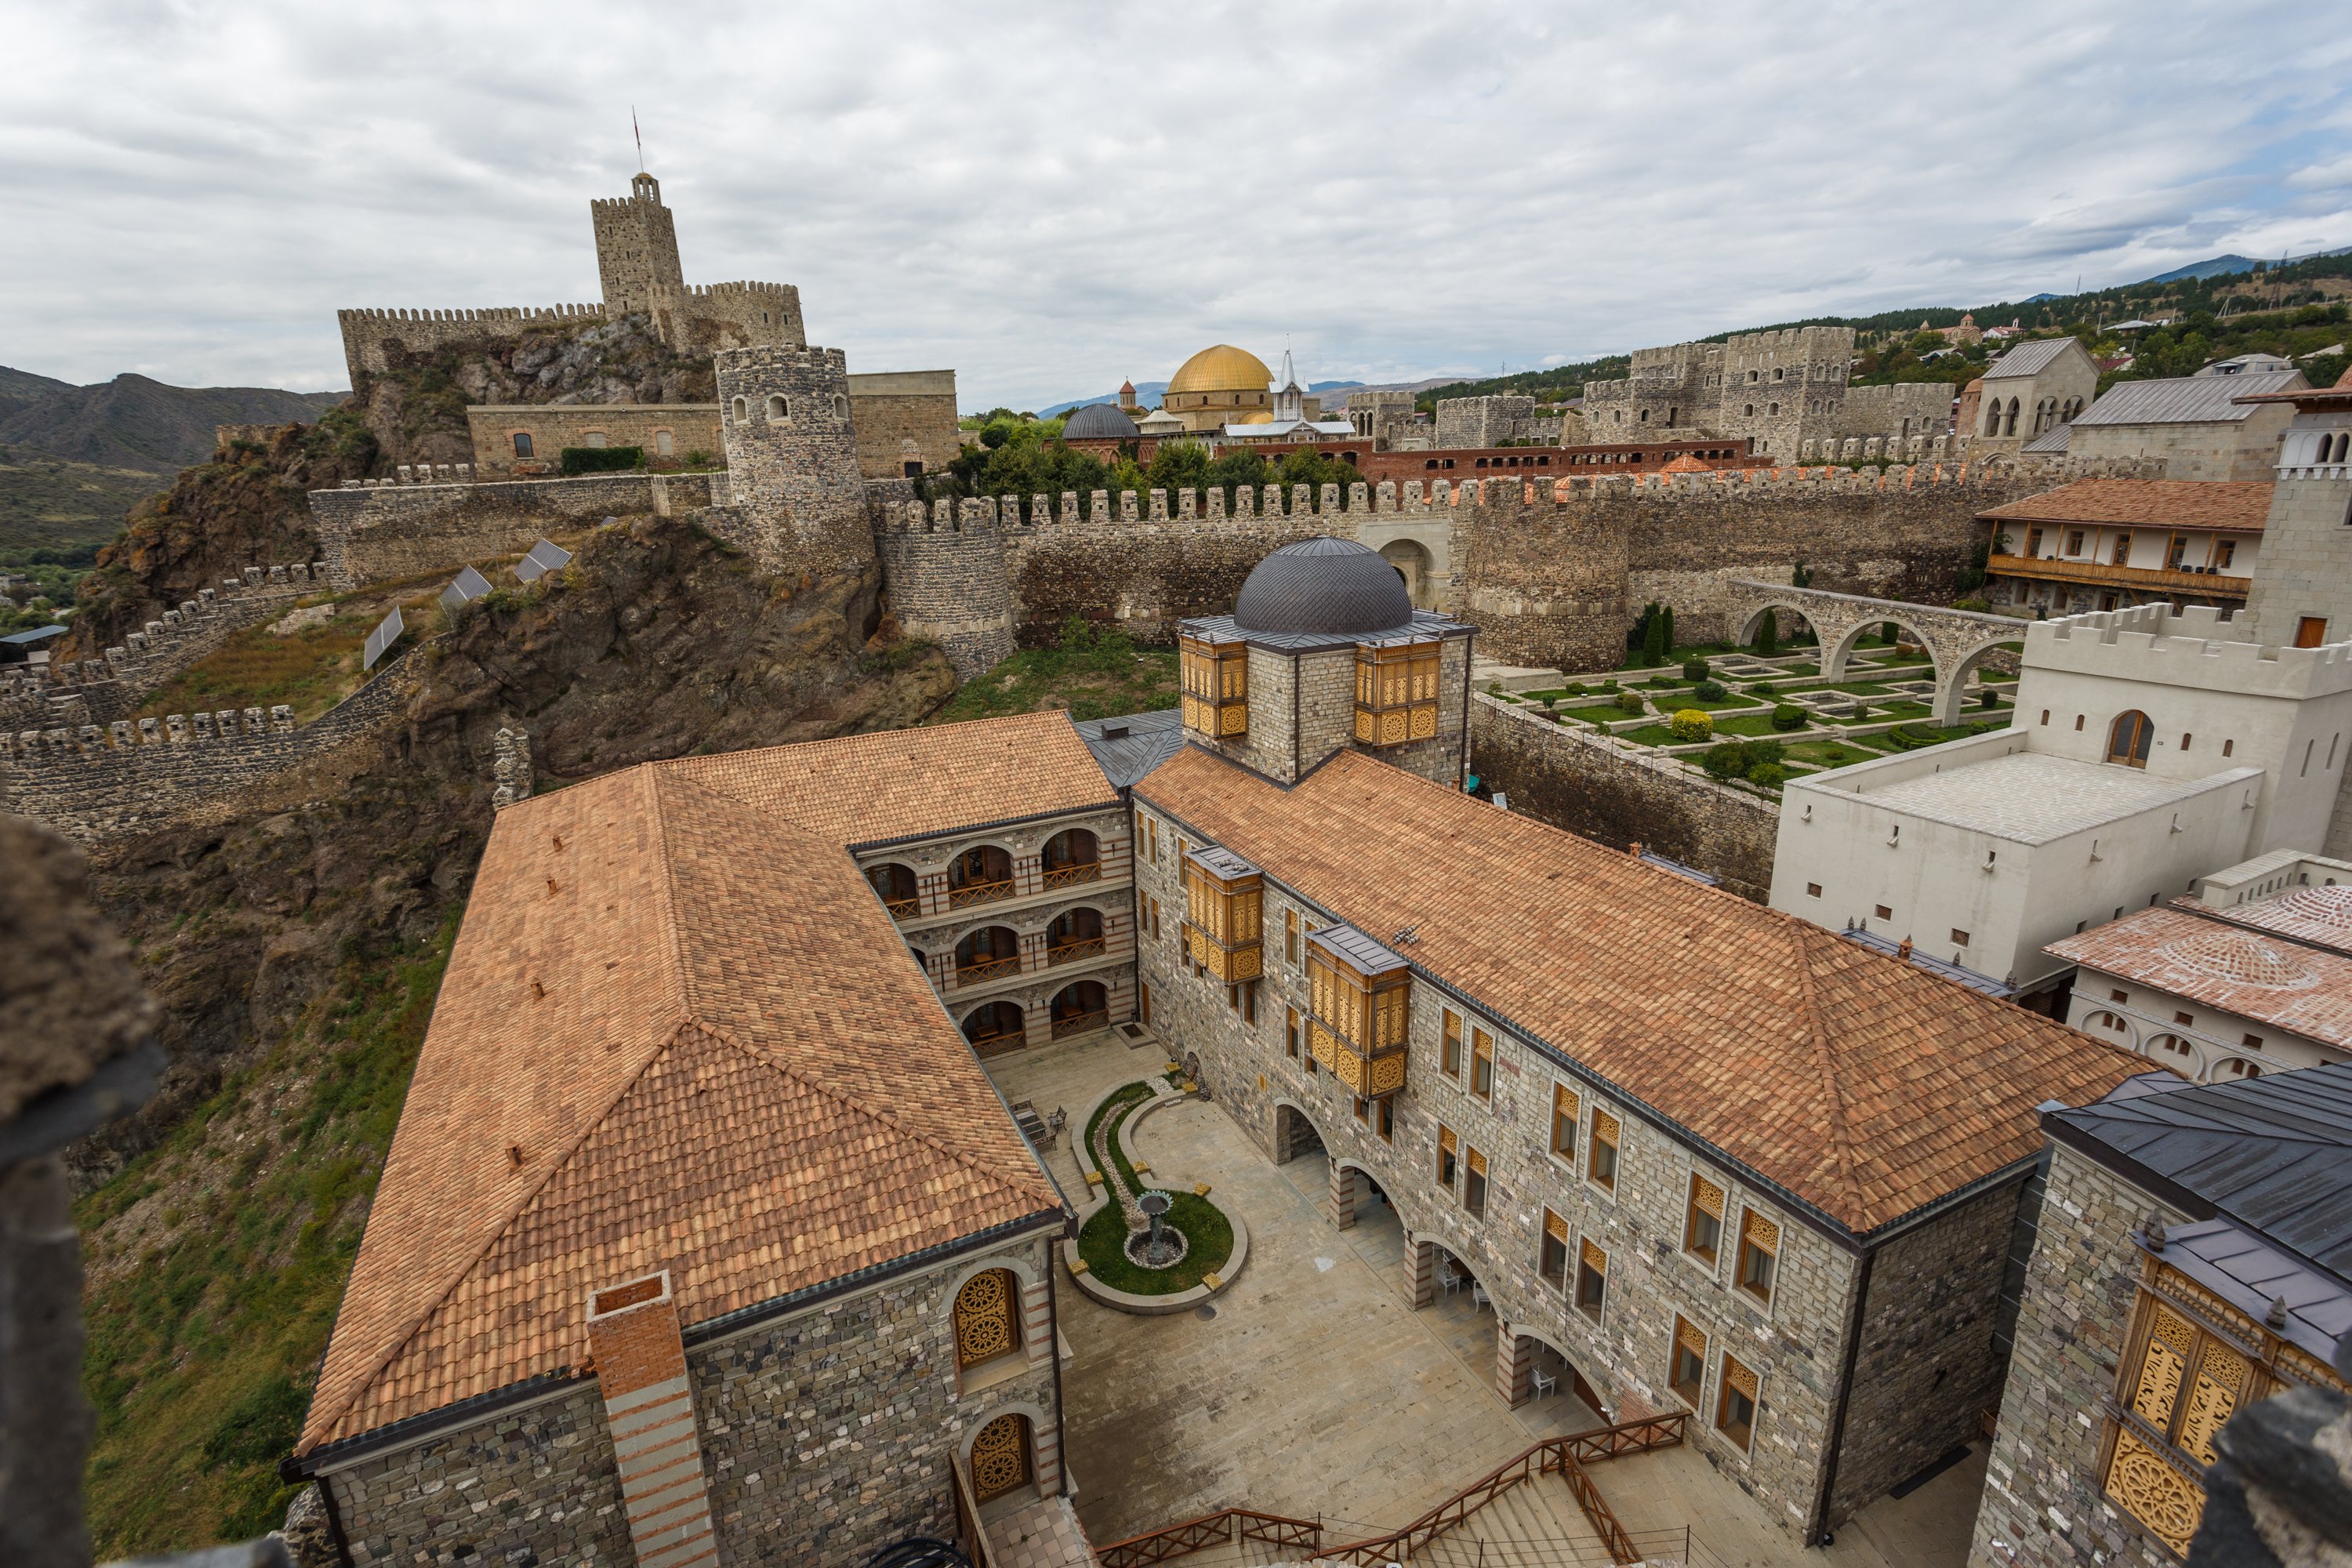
(1759, 1254)
(1551, 1251)
(1563, 1121)
(1591, 1280)
(1735, 1402)
(1449, 1054)
(1474, 1183)
(1386, 1118)
(1448, 1162)
(1482, 1063)
(1601, 1158)
(1686, 1374)
(1290, 936)
(1703, 1221)
(1290, 1033)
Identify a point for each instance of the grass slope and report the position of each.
(1094, 674)
(310, 669)
(206, 1330)
(50, 502)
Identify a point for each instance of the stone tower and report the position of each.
(791, 456)
(946, 568)
(2302, 590)
(636, 247)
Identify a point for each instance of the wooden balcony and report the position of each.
(1080, 1024)
(2099, 574)
(1071, 876)
(902, 909)
(973, 893)
(1072, 952)
(990, 969)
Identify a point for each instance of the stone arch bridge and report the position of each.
(1958, 641)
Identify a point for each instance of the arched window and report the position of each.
(2010, 428)
(522, 445)
(777, 407)
(994, 1026)
(1000, 1457)
(743, 410)
(987, 1317)
(2128, 741)
(986, 955)
(1080, 1009)
(840, 406)
(1071, 855)
(894, 886)
(1992, 418)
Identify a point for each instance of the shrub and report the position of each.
(1654, 643)
(1788, 716)
(1765, 754)
(1979, 605)
(1661, 681)
(1764, 688)
(1494, 689)
(1694, 670)
(1771, 776)
(1629, 702)
(1860, 709)
(1727, 761)
(600, 459)
(1692, 724)
(1608, 685)
(1574, 689)
(1768, 632)
(1708, 690)
(1988, 698)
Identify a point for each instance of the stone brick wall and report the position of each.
(703, 317)
(946, 569)
(98, 784)
(372, 534)
(1484, 421)
(372, 339)
(636, 246)
(825, 1436)
(1576, 780)
(791, 457)
(2042, 1506)
(551, 426)
(2306, 560)
(1795, 1342)
(905, 416)
(1927, 1368)
(1905, 408)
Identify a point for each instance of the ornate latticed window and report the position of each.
(1000, 1457)
(1759, 1254)
(1449, 1055)
(1447, 1162)
(987, 1324)
(1563, 1121)
(2185, 1371)
(1734, 1402)
(1591, 1279)
(1601, 1165)
(1687, 1376)
(1216, 687)
(1473, 1185)
(1396, 692)
(1482, 1063)
(1360, 1008)
(1551, 1258)
(1223, 896)
(1703, 1226)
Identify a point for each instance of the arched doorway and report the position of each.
(1071, 855)
(994, 1028)
(1410, 559)
(1000, 1457)
(1074, 934)
(988, 954)
(981, 875)
(1080, 1009)
(1293, 1134)
(894, 885)
(2128, 739)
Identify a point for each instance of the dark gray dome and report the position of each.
(1097, 421)
(1330, 585)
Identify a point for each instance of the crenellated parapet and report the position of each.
(703, 317)
(370, 337)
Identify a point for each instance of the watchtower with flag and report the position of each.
(636, 247)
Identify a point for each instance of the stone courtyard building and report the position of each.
(2031, 389)
(1714, 1158)
(2192, 1259)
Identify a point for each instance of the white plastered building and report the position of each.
(2149, 750)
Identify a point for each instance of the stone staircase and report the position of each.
(1535, 1522)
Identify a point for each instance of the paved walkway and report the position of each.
(1314, 1391)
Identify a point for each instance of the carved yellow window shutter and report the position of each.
(1555, 1226)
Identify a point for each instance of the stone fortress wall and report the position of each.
(374, 532)
(372, 339)
(1777, 389)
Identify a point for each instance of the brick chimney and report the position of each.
(633, 1332)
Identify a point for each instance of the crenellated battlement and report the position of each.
(369, 334)
(2190, 647)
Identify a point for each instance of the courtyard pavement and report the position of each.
(1315, 1392)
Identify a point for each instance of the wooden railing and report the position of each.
(2105, 575)
(1070, 951)
(987, 969)
(1081, 1023)
(1211, 1529)
(901, 907)
(1565, 1456)
(1071, 876)
(973, 893)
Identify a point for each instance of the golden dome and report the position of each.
(1256, 417)
(1224, 368)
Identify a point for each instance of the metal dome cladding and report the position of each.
(1332, 586)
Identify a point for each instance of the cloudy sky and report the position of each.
(1049, 198)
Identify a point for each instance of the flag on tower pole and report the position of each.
(640, 138)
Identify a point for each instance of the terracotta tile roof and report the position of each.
(905, 784)
(669, 1002)
(2321, 916)
(2223, 965)
(1861, 1084)
(2240, 506)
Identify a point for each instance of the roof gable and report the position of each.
(2238, 506)
(2034, 358)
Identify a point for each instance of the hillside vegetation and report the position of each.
(1091, 672)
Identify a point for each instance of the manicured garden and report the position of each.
(1102, 1240)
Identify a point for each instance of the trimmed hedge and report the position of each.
(600, 459)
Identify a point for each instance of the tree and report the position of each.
(1801, 578)
(1667, 616)
(1654, 643)
(1768, 632)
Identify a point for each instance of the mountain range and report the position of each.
(74, 460)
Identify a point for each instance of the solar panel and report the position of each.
(544, 557)
(387, 632)
(469, 586)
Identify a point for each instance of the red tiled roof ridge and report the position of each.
(1824, 1054)
(315, 1427)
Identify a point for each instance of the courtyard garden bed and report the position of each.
(1215, 1245)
